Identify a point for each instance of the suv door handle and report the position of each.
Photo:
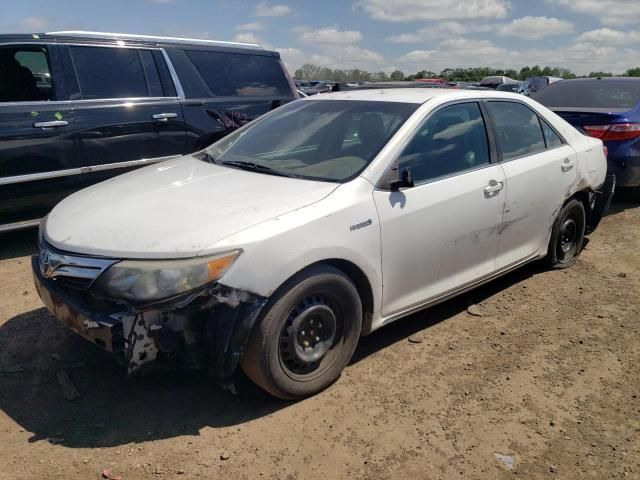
(567, 164)
(164, 117)
(492, 188)
(51, 124)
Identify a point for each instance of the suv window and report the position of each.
(105, 72)
(25, 75)
(452, 140)
(517, 128)
(234, 74)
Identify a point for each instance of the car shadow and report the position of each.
(20, 243)
(404, 328)
(113, 410)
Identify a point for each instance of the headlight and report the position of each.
(141, 281)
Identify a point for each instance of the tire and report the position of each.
(567, 236)
(306, 334)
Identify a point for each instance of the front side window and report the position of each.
(452, 140)
(109, 72)
(25, 74)
(331, 140)
(517, 128)
(240, 75)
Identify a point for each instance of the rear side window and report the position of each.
(517, 128)
(551, 138)
(618, 94)
(25, 74)
(105, 72)
(240, 75)
(452, 140)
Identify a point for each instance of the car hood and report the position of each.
(174, 209)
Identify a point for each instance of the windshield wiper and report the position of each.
(256, 167)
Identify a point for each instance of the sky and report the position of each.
(374, 35)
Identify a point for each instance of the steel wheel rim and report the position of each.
(567, 238)
(308, 336)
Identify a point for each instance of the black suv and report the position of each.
(79, 107)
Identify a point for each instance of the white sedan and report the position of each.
(280, 245)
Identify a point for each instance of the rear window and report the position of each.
(240, 75)
(617, 94)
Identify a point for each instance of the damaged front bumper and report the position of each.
(206, 328)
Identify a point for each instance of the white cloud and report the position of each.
(607, 36)
(579, 57)
(34, 24)
(334, 56)
(292, 58)
(440, 30)
(246, 37)
(536, 27)
(458, 52)
(249, 27)
(266, 10)
(328, 36)
(610, 12)
(412, 10)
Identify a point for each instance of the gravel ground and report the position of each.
(543, 383)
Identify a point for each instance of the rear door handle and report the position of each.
(493, 188)
(567, 164)
(164, 117)
(51, 124)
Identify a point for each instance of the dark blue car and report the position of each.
(605, 108)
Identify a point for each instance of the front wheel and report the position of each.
(567, 235)
(306, 335)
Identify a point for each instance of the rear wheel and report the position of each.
(567, 235)
(306, 335)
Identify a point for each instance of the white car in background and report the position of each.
(280, 245)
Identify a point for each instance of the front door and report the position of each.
(540, 169)
(441, 234)
(125, 116)
(38, 161)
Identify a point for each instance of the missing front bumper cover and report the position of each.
(208, 329)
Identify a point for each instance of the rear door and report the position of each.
(225, 89)
(127, 114)
(540, 169)
(38, 161)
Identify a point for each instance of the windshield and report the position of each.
(331, 140)
(617, 94)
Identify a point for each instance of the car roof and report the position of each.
(110, 38)
(412, 95)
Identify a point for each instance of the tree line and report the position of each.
(309, 71)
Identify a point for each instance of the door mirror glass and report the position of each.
(405, 180)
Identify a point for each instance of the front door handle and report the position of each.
(51, 124)
(164, 117)
(567, 164)
(493, 188)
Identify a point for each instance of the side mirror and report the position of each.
(404, 181)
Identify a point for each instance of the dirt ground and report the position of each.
(549, 376)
